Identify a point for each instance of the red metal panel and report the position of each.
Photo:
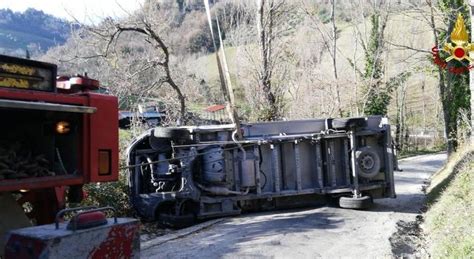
(119, 243)
(17, 94)
(39, 182)
(102, 135)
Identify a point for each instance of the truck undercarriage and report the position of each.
(179, 175)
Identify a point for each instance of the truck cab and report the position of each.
(57, 134)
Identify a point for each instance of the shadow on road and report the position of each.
(249, 230)
(258, 226)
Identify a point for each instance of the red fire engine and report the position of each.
(57, 134)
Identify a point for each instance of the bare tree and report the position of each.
(131, 56)
(329, 36)
(334, 55)
(154, 39)
(267, 13)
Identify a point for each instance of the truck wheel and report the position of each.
(171, 133)
(368, 162)
(187, 215)
(162, 145)
(360, 203)
(173, 221)
(164, 136)
(349, 123)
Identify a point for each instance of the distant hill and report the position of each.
(32, 29)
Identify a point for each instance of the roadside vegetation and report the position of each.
(113, 194)
(449, 220)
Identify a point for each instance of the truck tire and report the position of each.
(360, 203)
(349, 123)
(368, 162)
(162, 145)
(177, 222)
(171, 133)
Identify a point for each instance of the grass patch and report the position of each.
(449, 220)
(441, 180)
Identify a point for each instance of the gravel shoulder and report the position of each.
(309, 233)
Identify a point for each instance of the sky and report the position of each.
(86, 11)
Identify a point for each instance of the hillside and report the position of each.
(33, 30)
(303, 70)
(450, 235)
(420, 93)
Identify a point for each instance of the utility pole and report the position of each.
(471, 72)
(224, 75)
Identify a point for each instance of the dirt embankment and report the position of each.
(449, 221)
(446, 228)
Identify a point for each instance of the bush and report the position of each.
(113, 194)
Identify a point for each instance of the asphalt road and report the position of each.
(326, 232)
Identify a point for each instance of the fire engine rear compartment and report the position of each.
(31, 147)
(285, 163)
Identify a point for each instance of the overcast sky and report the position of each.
(83, 10)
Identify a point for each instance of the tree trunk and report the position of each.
(334, 55)
(442, 87)
(449, 124)
(265, 41)
(181, 8)
(471, 75)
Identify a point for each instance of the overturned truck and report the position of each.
(179, 175)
